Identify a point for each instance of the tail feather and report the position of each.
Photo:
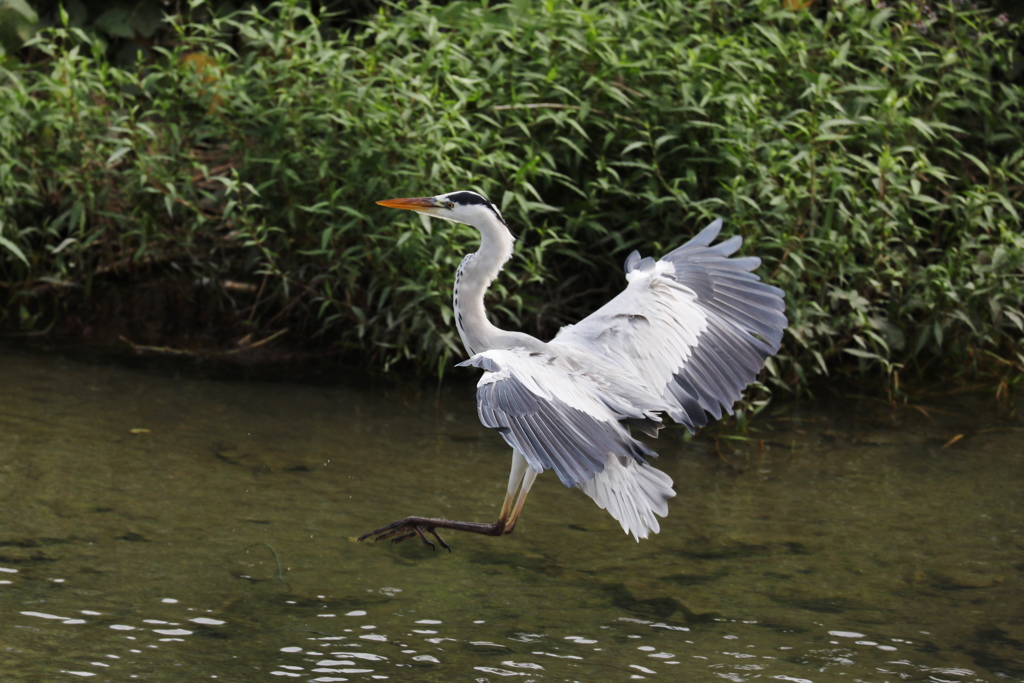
(633, 493)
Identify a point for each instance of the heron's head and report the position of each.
(461, 207)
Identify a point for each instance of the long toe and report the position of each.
(433, 532)
(387, 531)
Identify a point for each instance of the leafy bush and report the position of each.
(872, 157)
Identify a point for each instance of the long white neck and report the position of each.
(474, 276)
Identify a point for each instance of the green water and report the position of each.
(170, 528)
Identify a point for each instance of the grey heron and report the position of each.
(683, 339)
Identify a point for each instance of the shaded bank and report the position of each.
(220, 194)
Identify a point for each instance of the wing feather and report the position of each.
(558, 419)
(709, 324)
(571, 421)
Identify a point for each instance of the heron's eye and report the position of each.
(449, 205)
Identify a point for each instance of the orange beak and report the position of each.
(421, 204)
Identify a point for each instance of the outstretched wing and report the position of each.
(688, 333)
(570, 420)
(695, 327)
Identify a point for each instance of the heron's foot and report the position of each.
(404, 529)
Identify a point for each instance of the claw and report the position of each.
(404, 529)
(433, 532)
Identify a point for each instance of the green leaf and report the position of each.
(116, 22)
(861, 353)
(17, 24)
(11, 246)
(922, 127)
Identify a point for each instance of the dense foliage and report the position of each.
(872, 156)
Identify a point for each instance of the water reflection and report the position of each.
(171, 528)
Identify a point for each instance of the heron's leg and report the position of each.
(515, 479)
(520, 479)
